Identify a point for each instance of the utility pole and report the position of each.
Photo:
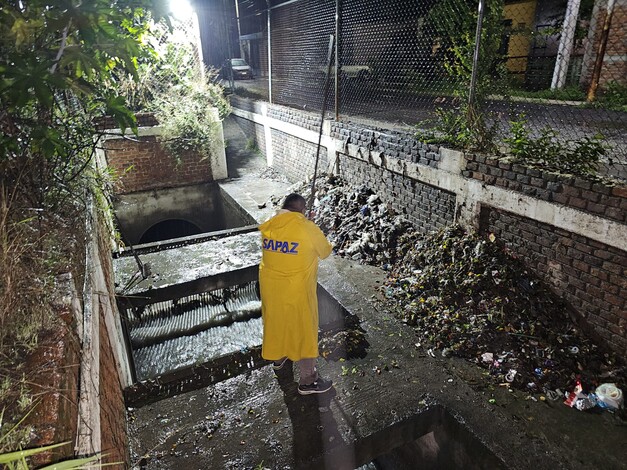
(475, 63)
(239, 32)
(598, 63)
(567, 42)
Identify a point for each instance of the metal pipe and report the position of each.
(239, 31)
(338, 15)
(228, 45)
(269, 56)
(475, 60)
(566, 45)
(324, 110)
(598, 63)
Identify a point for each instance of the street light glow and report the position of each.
(181, 9)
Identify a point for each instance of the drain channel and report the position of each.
(172, 334)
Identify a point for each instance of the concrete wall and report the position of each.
(142, 164)
(104, 367)
(571, 231)
(200, 204)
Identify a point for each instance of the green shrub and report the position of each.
(580, 157)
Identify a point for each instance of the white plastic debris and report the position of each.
(610, 395)
(487, 357)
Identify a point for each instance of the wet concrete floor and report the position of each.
(392, 396)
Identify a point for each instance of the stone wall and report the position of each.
(571, 231)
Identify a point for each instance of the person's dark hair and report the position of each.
(294, 202)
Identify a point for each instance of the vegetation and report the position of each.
(581, 157)
(61, 64)
(465, 125)
(571, 93)
(175, 88)
(613, 97)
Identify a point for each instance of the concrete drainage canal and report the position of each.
(192, 321)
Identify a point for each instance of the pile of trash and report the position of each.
(358, 223)
(467, 296)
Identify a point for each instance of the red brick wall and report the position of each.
(113, 435)
(590, 276)
(53, 378)
(612, 70)
(114, 438)
(144, 165)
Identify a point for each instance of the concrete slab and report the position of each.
(393, 396)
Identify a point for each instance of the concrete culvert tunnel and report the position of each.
(157, 215)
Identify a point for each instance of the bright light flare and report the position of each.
(181, 9)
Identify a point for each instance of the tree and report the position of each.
(57, 59)
(454, 23)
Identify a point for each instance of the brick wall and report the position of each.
(427, 207)
(254, 132)
(113, 435)
(588, 275)
(114, 440)
(296, 158)
(614, 64)
(306, 120)
(55, 384)
(596, 198)
(144, 165)
(393, 143)
(432, 188)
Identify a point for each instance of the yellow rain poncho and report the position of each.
(288, 273)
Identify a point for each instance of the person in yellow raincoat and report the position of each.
(292, 245)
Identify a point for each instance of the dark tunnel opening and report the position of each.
(168, 229)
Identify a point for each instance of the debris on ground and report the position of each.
(345, 341)
(467, 295)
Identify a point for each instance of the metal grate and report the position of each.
(177, 333)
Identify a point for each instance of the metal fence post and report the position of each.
(269, 56)
(338, 25)
(475, 62)
(598, 63)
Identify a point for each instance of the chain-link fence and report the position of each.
(461, 71)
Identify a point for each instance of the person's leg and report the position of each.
(310, 382)
(308, 372)
(278, 364)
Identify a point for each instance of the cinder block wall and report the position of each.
(294, 157)
(571, 231)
